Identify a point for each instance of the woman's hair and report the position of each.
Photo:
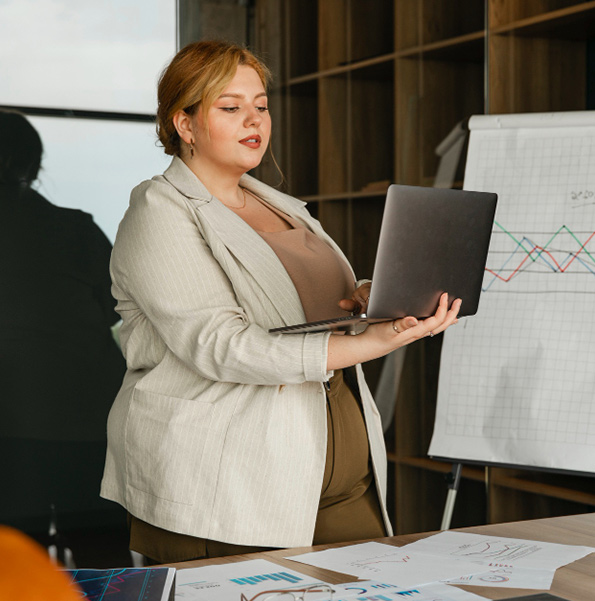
(20, 149)
(197, 76)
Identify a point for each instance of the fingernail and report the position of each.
(411, 321)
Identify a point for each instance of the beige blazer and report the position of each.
(219, 429)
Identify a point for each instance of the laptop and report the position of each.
(432, 240)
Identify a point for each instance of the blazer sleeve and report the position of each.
(162, 265)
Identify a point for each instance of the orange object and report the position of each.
(28, 574)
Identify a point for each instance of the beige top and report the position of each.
(319, 274)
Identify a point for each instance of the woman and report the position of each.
(60, 367)
(218, 437)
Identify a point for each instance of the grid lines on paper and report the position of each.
(518, 379)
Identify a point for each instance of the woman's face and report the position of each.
(239, 125)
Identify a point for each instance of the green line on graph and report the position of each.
(543, 249)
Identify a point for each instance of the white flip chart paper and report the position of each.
(517, 380)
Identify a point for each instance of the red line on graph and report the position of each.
(548, 253)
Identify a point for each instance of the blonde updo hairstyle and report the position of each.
(195, 78)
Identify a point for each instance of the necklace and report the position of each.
(244, 196)
(243, 206)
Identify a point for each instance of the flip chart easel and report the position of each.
(517, 380)
(453, 481)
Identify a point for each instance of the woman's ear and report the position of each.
(182, 123)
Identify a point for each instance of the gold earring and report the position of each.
(191, 147)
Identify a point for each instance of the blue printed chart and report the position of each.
(125, 584)
(370, 590)
(227, 581)
(517, 380)
(277, 578)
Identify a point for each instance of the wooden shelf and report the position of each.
(343, 69)
(301, 119)
(500, 477)
(573, 22)
(344, 196)
(468, 47)
(426, 22)
(521, 483)
(371, 89)
(469, 473)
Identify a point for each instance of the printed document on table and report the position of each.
(510, 578)
(498, 551)
(227, 581)
(389, 564)
(372, 590)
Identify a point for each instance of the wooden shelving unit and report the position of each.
(370, 89)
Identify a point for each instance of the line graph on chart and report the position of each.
(379, 564)
(520, 260)
(497, 552)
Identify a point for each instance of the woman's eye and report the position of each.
(230, 109)
(262, 109)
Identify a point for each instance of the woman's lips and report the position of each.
(251, 141)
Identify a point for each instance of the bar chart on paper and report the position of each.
(228, 580)
(517, 381)
(276, 577)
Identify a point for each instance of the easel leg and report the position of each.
(453, 479)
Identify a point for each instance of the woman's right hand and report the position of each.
(382, 338)
(413, 329)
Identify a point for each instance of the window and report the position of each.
(96, 60)
(84, 54)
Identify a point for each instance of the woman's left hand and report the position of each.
(358, 303)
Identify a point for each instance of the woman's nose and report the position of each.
(253, 118)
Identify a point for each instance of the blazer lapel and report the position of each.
(257, 257)
(242, 241)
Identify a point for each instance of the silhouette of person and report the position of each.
(60, 368)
